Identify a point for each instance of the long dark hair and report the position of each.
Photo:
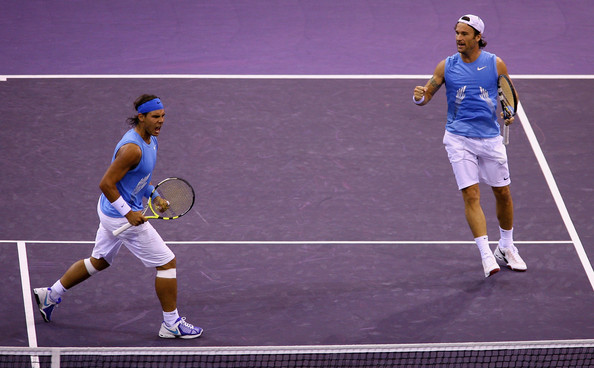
(133, 120)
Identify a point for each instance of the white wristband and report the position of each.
(420, 101)
(121, 206)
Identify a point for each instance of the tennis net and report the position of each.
(567, 353)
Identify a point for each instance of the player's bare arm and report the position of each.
(423, 94)
(127, 158)
(502, 70)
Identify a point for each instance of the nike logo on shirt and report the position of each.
(481, 68)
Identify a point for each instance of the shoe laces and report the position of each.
(183, 323)
(515, 255)
(510, 250)
(512, 253)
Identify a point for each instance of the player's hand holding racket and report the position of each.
(171, 199)
(509, 103)
(161, 204)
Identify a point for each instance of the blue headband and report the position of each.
(152, 105)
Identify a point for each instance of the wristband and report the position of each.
(121, 206)
(420, 101)
(155, 195)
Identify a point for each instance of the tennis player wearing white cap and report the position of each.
(472, 138)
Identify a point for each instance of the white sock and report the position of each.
(57, 290)
(170, 317)
(507, 237)
(483, 245)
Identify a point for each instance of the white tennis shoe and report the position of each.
(490, 265)
(511, 257)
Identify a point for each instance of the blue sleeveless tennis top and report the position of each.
(471, 91)
(133, 185)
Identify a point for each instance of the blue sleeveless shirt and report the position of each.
(134, 185)
(471, 91)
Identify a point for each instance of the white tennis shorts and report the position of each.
(143, 241)
(477, 160)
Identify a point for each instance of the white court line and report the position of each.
(268, 242)
(546, 170)
(357, 242)
(26, 286)
(270, 76)
(28, 304)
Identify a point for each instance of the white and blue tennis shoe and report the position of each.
(45, 302)
(180, 329)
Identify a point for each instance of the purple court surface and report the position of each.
(328, 213)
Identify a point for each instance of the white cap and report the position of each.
(473, 21)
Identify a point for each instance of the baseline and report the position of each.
(4, 78)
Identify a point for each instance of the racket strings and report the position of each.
(508, 94)
(507, 97)
(179, 195)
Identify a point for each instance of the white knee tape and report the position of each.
(167, 274)
(90, 268)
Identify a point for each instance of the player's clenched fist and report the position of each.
(419, 94)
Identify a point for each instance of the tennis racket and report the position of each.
(179, 195)
(509, 102)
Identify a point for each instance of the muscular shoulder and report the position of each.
(501, 67)
(129, 153)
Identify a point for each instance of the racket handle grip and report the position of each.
(123, 228)
(506, 134)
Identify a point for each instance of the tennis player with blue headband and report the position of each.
(152, 105)
(124, 185)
